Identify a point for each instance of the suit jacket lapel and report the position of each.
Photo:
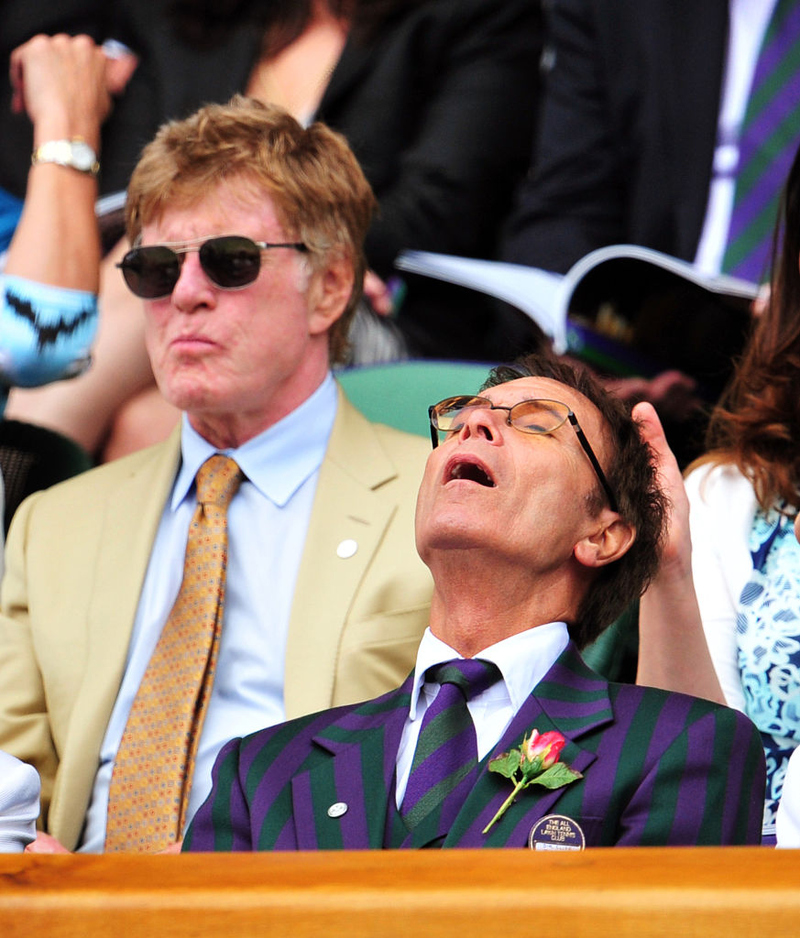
(571, 700)
(346, 507)
(357, 782)
(354, 59)
(122, 545)
(692, 51)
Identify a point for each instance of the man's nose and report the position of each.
(194, 288)
(484, 422)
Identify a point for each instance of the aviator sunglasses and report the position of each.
(230, 262)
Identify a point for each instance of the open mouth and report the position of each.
(471, 472)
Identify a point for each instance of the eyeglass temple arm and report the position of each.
(434, 431)
(612, 502)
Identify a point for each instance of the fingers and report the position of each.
(652, 433)
(45, 843)
(121, 63)
(378, 294)
(60, 82)
(677, 547)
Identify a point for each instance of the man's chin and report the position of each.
(451, 536)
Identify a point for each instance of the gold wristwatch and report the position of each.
(75, 153)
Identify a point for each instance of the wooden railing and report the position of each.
(709, 892)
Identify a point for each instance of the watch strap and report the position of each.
(74, 153)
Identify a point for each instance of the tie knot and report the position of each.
(217, 481)
(471, 675)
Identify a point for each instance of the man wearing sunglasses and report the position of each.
(540, 518)
(246, 233)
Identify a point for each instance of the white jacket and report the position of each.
(722, 507)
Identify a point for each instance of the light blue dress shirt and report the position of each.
(267, 524)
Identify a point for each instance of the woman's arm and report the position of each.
(673, 653)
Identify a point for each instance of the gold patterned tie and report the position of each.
(153, 769)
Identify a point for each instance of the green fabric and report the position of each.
(399, 393)
(615, 653)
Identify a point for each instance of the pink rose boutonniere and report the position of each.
(535, 762)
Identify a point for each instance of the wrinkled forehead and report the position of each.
(523, 389)
(239, 193)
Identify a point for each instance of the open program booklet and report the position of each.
(624, 309)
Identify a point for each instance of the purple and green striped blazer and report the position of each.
(658, 768)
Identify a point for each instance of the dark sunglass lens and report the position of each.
(151, 272)
(231, 261)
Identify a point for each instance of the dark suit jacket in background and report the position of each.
(659, 769)
(19, 21)
(628, 128)
(439, 109)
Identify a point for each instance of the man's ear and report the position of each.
(608, 542)
(329, 293)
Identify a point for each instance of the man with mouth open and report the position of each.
(540, 518)
(247, 238)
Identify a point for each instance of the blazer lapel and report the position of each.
(346, 509)
(342, 802)
(692, 53)
(122, 546)
(355, 58)
(571, 700)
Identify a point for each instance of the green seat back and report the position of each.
(399, 393)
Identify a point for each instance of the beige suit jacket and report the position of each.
(76, 560)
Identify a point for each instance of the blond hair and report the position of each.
(318, 189)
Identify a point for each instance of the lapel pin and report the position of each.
(556, 832)
(338, 809)
(346, 548)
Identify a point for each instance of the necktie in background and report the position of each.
(447, 747)
(769, 138)
(153, 770)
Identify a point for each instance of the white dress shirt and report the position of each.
(523, 660)
(788, 818)
(267, 524)
(19, 803)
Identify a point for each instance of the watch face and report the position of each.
(75, 153)
(82, 155)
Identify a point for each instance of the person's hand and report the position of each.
(378, 294)
(172, 848)
(121, 63)
(672, 392)
(759, 305)
(64, 84)
(677, 548)
(45, 843)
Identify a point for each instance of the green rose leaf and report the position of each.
(557, 776)
(506, 764)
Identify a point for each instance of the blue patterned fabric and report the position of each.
(768, 639)
(46, 332)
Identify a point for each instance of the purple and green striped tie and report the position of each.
(769, 138)
(447, 748)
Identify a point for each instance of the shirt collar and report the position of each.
(523, 659)
(277, 461)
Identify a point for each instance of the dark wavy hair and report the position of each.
(205, 23)
(756, 425)
(632, 478)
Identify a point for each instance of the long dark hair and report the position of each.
(204, 23)
(756, 425)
